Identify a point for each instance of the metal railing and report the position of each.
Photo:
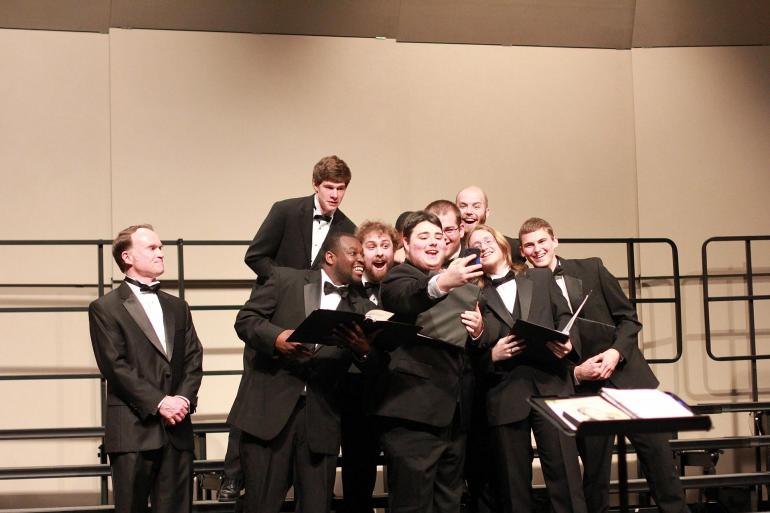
(634, 278)
(750, 298)
(635, 281)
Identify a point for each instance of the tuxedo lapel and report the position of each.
(134, 308)
(312, 291)
(495, 303)
(574, 291)
(524, 295)
(168, 323)
(306, 223)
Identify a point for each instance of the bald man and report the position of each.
(474, 209)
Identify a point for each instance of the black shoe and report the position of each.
(229, 490)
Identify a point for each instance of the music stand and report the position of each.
(619, 428)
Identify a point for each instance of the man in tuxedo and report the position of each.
(360, 447)
(146, 348)
(424, 390)
(295, 229)
(291, 236)
(512, 376)
(379, 241)
(449, 215)
(474, 210)
(611, 358)
(287, 402)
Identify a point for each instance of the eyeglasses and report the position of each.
(451, 230)
(489, 242)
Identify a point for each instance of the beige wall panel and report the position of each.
(247, 116)
(517, 121)
(54, 153)
(702, 124)
(54, 139)
(236, 122)
(702, 119)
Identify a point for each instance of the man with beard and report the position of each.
(612, 360)
(474, 210)
(449, 215)
(287, 403)
(360, 447)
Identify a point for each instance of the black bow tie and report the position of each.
(143, 287)
(558, 270)
(321, 217)
(371, 288)
(330, 288)
(496, 282)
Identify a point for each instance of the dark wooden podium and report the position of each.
(619, 428)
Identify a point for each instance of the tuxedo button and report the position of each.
(168, 374)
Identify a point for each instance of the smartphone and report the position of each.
(471, 251)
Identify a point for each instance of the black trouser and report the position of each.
(558, 458)
(360, 448)
(271, 467)
(479, 454)
(425, 466)
(656, 457)
(163, 475)
(232, 465)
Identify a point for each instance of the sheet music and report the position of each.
(646, 403)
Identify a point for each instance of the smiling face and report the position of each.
(378, 255)
(145, 256)
(539, 248)
(453, 234)
(425, 246)
(345, 262)
(493, 258)
(472, 203)
(330, 195)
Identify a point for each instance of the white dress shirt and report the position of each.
(151, 305)
(506, 291)
(320, 230)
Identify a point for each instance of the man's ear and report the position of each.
(330, 258)
(126, 257)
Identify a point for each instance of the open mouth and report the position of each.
(379, 264)
(358, 269)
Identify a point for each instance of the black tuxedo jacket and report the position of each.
(286, 237)
(609, 305)
(272, 384)
(513, 381)
(138, 372)
(421, 380)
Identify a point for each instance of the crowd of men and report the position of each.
(447, 405)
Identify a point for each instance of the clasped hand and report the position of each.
(173, 409)
(598, 367)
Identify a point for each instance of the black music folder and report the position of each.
(318, 327)
(536, 336)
